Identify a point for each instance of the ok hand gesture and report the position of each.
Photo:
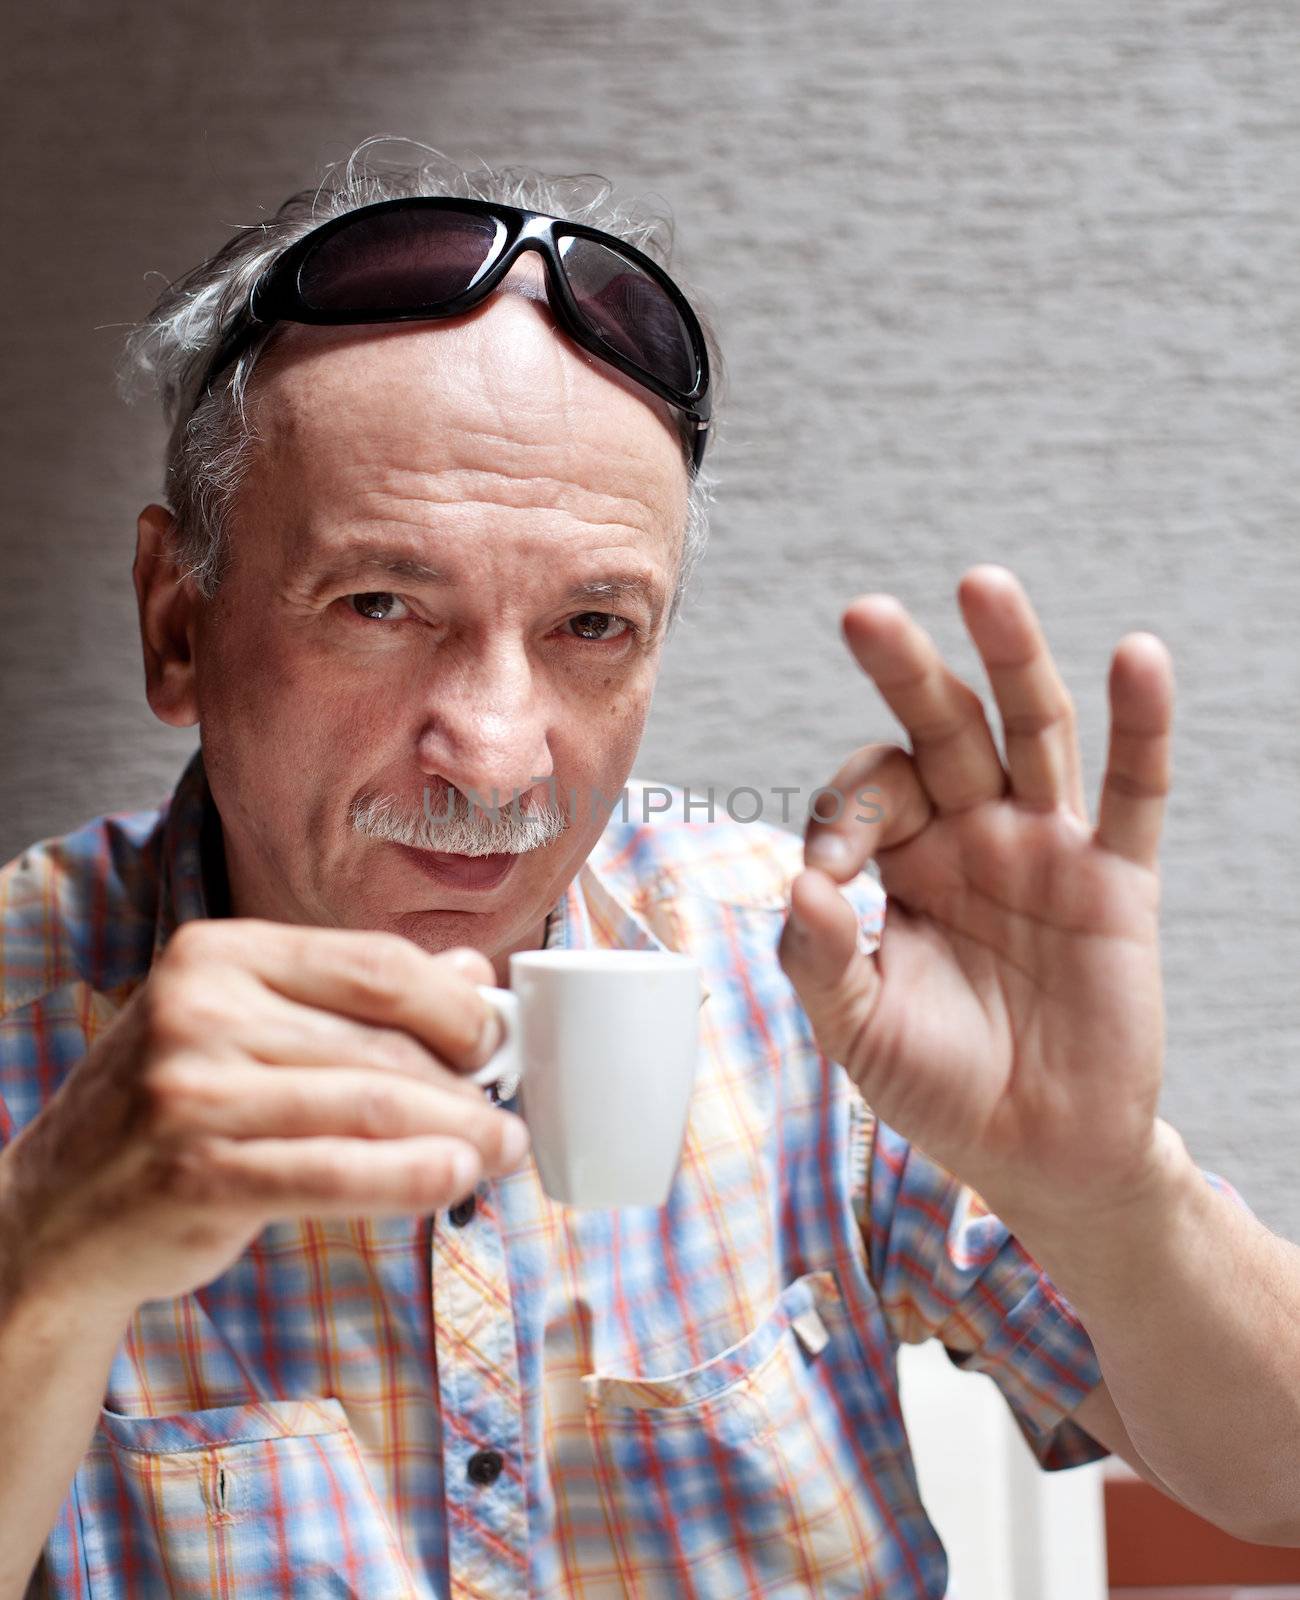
(1010, 1022)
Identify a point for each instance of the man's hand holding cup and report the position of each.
(261, 1071)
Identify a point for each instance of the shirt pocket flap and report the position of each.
(799, 1307)
(272, 1495)
(223, 1425)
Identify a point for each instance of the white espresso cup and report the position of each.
(602, 1045)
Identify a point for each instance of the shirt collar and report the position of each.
(193, 882)
(591, 916)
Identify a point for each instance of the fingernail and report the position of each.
(829, 851)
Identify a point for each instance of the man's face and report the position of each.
(453, 560)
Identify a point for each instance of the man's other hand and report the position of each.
(1010, 1022)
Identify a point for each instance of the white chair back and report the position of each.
(1011, 1530)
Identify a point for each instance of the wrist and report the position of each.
(1118, 1238)
(45, 1316)
(45, 1296)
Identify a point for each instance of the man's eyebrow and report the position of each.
(621, 587)
(389, 562)
(370, 561)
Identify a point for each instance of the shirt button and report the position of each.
(462, 1212)
(484, 1467)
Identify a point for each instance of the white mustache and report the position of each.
(458, 826)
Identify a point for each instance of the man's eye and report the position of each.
(598, 625)
(377, 607)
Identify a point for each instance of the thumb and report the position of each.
(820, 953)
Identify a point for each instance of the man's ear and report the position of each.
(168, 604)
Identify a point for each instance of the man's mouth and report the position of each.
(460, 872)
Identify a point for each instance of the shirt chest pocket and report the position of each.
(750, 1475)
(267, 1498)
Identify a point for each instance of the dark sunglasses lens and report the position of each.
(398, 260)
(630, 312)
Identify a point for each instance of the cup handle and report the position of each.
(506, 1066)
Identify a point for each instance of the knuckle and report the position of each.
(191, 943)
(330, 1173)
(893, 758)
(1033, 724)
(378, 1109)
(396, 1051)
(205, 1017)
(1128, 786)
(181, 1008)
(190, 1172)
(298, 946)
(205, 940)
(195, 946)
(170, 1098)
(164, 1010)
(876, 764)
(969, 701)
(464, 1015)
(461, 1039)
(864, 763)
(377, 971)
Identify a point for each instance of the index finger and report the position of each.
(368, 975)
(956, 757)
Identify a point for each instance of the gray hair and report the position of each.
(211, 436)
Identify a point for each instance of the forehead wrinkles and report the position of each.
(401, 494)
(502, 368)
(389, 427)
(384, 485)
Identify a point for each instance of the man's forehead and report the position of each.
(388, 422)
(505, 364)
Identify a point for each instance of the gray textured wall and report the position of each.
(1052, 321)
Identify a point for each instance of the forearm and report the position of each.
(54, 1361)
(1194, 1309)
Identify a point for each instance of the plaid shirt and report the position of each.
(699, 1400)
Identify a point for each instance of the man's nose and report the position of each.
(487, 724)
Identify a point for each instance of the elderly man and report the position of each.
(284, 1309)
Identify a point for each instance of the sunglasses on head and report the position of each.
(425, 257)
